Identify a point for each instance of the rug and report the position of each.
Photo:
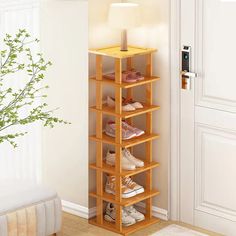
(176, 230)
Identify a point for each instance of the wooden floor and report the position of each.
(76, 226)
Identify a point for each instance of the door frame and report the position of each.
(174, 195)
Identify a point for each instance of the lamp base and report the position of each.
(124, 45)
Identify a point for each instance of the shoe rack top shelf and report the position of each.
(114, 51)
(111, 169)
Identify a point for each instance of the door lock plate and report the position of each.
(185, 75)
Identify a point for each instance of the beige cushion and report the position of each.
(17, 195)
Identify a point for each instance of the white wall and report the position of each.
(154, 32)
(65, 148)
(65, 156)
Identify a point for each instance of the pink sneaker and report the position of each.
(126, 77)
(138, 132)
(137, 75)
(110, 130)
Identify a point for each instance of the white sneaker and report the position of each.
(111, 188)
(136, 105)
(125, 107)
(126, 164)
(132, 159)
(131, 211)
(130, 184)
(110, 216)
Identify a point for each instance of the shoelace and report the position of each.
(133, 210)
(129, 154)
(129, 182)
(125, 129)
(127, 126)
(112, 182)
(124, 213)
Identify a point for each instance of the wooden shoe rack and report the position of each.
(101, 138)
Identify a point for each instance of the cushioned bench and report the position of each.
(28, 210)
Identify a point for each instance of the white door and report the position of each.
(208, 116)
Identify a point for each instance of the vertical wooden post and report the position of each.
(118, 96)
(129, 66)
(149, 97)
(99, 151)
(130, 91)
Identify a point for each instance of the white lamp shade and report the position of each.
(124, 15)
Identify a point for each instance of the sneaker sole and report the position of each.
(141, 133)
(139, 220)
(127, 195)
(109, 218)
(138, 191)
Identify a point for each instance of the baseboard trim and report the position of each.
(75, 209)
(84, 212)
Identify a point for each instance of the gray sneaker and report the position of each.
(110, 216)
(110, 130)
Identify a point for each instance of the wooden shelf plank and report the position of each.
(111, 169)
(126, 201)
(111, 111)
(115, 52)
(125, 230)
(125, 143)
(124, 85)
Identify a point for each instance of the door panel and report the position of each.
(208, 117)
(215, 152)
(216, 50)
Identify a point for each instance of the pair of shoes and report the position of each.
(129, 187)
(130, 76)
(128, 131)
(129, 215)
(127, 105)
(129, 162)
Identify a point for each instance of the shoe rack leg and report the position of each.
(99, 149)
(118, 186)
(149, 121)
(118, 95)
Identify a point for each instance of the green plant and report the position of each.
(14, 101)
